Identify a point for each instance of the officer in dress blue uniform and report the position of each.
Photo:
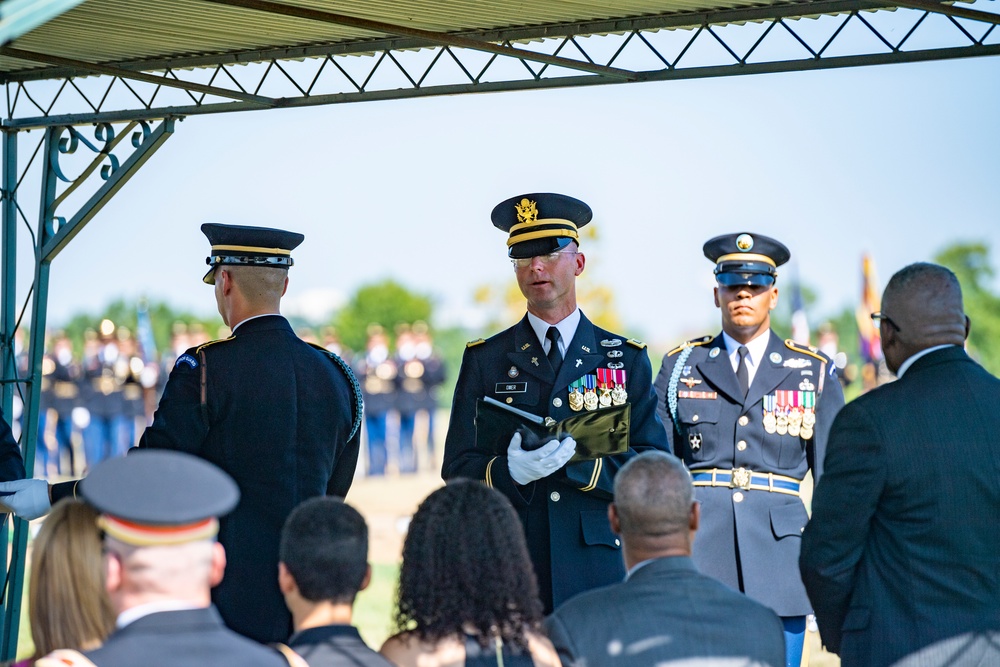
(279, 415)
(749, 414)
(553, 363)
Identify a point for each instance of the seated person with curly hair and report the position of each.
(459, 603)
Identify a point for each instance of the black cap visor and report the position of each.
(731, 274)
(536, 247)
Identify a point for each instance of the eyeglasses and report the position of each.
(878, 317)
(551, 258)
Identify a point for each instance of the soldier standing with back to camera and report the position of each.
(749, 414)
(277, 414)
(554, 363)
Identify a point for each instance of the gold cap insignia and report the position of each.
(527, 211)
(744, 242)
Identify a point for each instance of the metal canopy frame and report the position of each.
(141, 99)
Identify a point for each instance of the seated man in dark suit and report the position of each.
(323, 566)
(159, 515)
(665, 610)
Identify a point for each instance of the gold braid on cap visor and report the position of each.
(142, 535)
(250, 248)
(746, 257)
(540, 229)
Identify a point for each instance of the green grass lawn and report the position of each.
(374, 606)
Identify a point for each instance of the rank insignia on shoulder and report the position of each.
(636, 343)
(186, 359)
(473, 343)
(805, 349)
(694, 342)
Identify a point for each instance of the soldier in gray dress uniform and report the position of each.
(749, 414)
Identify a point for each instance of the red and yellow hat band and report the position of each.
(144, 535)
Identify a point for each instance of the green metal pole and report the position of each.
(8, 298)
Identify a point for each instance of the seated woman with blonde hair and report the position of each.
(467, 592)
(68, 606)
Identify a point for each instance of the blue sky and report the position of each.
(893, 160)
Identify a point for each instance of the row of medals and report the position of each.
(589, 399)
(795, 422)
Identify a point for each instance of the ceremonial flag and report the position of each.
(868, 336)
(800, 324)
(144, 332)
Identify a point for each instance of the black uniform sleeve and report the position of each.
(11, 463)
(343, 472)
(179, 422)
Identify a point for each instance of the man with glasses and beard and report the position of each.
(553, 364)
(749, 414)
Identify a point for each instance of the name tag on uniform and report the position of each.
(511, 388)
(697, 394)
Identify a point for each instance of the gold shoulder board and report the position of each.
(806, 349)
(636, 343)
(213, 342)
(694, 342)
(473, 343)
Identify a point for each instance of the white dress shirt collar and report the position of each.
(922, 353)
(756, 348)
(567, 329)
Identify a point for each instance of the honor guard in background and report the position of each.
(277, 414)
(61, 376)
(434, 375)
(104, 398)
(378, 372)
(553, 363)
(749, 413)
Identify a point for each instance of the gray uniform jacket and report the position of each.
(749, 537)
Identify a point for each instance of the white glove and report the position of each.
(528, 466)
(28, 498)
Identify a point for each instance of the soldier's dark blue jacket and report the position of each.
(748, 539)
(564, 515)
(281, 417)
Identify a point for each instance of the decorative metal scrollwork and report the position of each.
(66, 140)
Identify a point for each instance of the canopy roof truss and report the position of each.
(382, 60)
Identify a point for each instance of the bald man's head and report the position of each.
(925, 303)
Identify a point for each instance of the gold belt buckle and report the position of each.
(740, 479)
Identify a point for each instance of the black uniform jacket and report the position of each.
(749, 539)
(280, 416)
(11, 463)
(564, 515)
(189, 638)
